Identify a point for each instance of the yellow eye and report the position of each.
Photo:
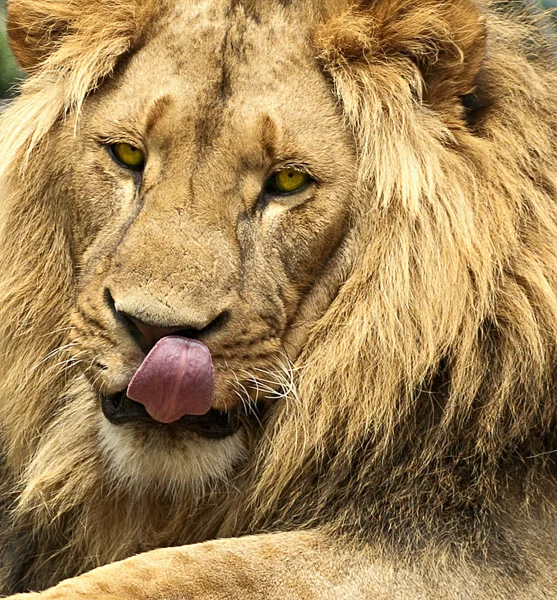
(290, 180)
(129, 156)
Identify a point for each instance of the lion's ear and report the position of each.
(31, 31)
(444, 39)
(67, 29)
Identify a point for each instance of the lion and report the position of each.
(279, 297)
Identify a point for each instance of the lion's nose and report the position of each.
(148, 334)
(148, 330)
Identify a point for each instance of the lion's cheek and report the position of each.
(306, 239)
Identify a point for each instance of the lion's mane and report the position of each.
(424, 409)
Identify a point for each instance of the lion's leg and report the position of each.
(291, 566)
(277, 566)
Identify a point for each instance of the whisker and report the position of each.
(66, 364)
(51, 355)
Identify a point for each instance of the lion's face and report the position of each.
(199, 239)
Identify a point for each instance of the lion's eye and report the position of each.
(287, 181)
(128, 156)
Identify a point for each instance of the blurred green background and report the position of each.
(9, 74)
(8, 70)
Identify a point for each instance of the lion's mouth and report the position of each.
(119, 410)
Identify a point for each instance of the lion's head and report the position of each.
(349, 204)
(212, 205)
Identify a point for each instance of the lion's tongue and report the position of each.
(175, 379)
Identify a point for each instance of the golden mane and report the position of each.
(427, 384)
(429, 380)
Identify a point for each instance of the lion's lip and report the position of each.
(120, 410)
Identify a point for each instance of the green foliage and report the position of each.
(8, 69)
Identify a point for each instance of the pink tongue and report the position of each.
(175, 379)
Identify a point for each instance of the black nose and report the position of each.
(147, 332)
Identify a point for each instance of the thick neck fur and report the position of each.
(425, 411)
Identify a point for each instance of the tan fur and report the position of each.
(398, 319)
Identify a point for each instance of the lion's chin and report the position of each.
(147, 459)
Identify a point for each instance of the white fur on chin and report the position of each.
(155, 460)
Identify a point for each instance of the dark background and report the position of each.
(9, 74)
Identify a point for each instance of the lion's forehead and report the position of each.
(215, 49)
